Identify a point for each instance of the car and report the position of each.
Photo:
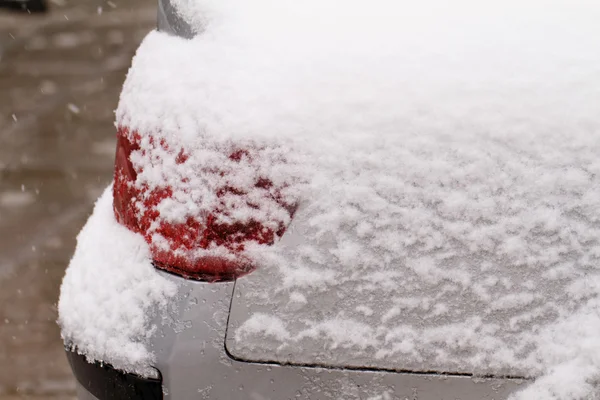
(360, 200)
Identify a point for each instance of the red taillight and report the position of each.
(124, 193)
(136, 207)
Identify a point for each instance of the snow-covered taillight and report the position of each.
(207, 245)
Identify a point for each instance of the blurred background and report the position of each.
(61, 72)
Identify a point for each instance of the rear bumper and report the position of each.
(184, 336)
(190, 353)
(192, 356)
(103, 382)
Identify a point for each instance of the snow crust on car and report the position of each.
(108, 292)
(445, 161)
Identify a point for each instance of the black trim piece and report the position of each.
(31, 6)
(107, 383)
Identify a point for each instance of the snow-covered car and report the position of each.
(348, 200)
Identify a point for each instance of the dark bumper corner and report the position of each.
(107, 383)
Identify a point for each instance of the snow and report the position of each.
(571, 351)
(445, 162)
(298, 297)
(108, 292)
(269, 325)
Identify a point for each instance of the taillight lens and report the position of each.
(124, 193)
(136, 207)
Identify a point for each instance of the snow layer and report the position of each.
(445, 158)
(108, 292)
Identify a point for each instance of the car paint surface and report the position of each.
(189, 345)
(169, 21)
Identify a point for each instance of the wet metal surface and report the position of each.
(60, 77)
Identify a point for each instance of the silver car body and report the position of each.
(192, 356)
(193, 360)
